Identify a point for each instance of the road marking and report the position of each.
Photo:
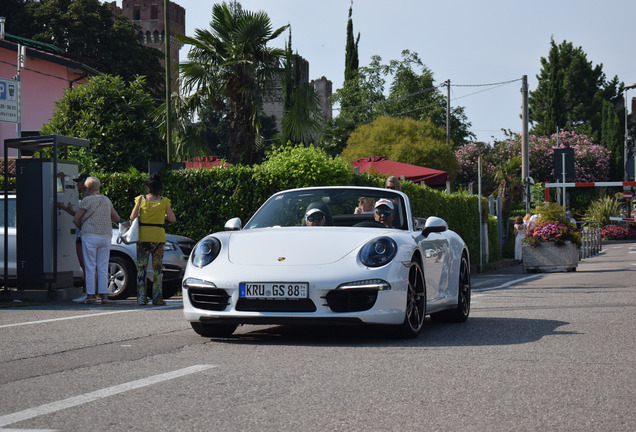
(96, 395)
(82, 316)
(507, 284)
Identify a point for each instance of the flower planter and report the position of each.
(548, 257)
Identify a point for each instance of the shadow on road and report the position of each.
(475, 332)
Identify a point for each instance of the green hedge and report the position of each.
(204, 199)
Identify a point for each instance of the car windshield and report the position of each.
(344, 207)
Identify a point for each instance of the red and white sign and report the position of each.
(627, 195)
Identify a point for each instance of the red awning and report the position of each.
(414, 173)
(205, 162)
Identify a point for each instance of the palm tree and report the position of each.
(227, 68)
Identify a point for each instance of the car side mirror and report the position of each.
(233, 224)
(434, 224)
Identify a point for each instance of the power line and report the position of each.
(492, 85)
(389, 100)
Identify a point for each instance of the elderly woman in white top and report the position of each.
(95, 216)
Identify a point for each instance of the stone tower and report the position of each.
(149, 14)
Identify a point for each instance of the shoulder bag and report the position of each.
(129, 231)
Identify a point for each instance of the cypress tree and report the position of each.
(351, 50)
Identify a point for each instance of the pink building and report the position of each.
(45, 76)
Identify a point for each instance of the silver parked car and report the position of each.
(122, 271)
(122, 268)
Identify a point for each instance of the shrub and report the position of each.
(300, 166)
(618, 232)
(602, 209)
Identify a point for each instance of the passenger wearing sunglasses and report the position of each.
(383, 212)
(314, 217)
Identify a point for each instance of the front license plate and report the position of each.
(277, 290)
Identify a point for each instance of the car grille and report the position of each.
(258, 305)
(186, 247)
(209, 299)
(351, 300)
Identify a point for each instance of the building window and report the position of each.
(154, 12)
(136, 13)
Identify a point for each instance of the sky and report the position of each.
(470, 42)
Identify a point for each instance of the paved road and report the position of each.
(548, 352)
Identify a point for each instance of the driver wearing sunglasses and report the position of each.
(315, 217)
(383, 212)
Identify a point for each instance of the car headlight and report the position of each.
(206, 251)
(378, 252)
(168, 246)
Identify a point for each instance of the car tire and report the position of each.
(213, 330)
(461, 312)
(122, 277)
(415, 311)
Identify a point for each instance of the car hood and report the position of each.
(297, 245)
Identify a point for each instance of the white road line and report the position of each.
(507, 284)
(96, 395)
(65, 318)
(80, 316)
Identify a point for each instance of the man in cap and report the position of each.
(315, 217)
(383, 212)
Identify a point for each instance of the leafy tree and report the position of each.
(570, 93)
(413, 94)
(358, 99)
(87, 32)
(403, 140)
(116, 117)
(228, 67)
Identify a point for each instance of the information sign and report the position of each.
(8, 100)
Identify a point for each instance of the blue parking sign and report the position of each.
(8, 101)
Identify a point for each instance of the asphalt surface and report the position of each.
(540, 352)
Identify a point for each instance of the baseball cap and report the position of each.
(81, 177)
(384, 202)
(313, 211)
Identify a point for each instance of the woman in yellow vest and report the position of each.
(152, 210)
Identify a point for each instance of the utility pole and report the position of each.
(525, 146)
(166, 26)
(448, 112)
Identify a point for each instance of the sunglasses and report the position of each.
(383, 212)
(315, 218)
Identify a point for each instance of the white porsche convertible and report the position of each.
(331, 255)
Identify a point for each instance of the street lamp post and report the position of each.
(626, 177)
